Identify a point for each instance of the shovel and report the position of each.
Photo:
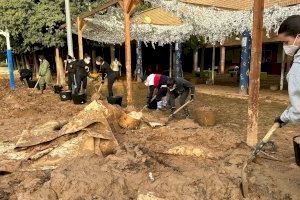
(253, 156)
(156, 124)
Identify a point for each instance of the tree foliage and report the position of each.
(34, 24)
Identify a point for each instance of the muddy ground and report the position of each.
(125, 175)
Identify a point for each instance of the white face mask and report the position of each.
(291, 49)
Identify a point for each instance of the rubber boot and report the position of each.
(186, 113)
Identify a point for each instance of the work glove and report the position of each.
(280, 122)
(192, 97)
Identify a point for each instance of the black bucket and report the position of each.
(65, 96)
(296, 141)
(57, 89)
(31, 83)
(79, 98)
(117, 100)
(153, 105)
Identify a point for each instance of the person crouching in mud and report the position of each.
(158, 82)
(183, 88)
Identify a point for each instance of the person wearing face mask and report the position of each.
(82, 72)
(111, 76)
(289, 34)
(45, 76)
(183, 88)
(71, 71)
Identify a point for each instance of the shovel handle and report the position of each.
(37, 82)
(180, 108)
(270, 132)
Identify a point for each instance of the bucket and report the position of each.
(65, 96)
(57, 89)
(79, 98)
(205, 117)
(31, 83)
(296, 141)
(115, 100)
(153, 105)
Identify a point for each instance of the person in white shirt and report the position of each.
(116, 67)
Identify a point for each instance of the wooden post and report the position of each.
(112, 53)
(80, 24)
(282, 70)
(36, 64)
(213, 65)
(202, 59)
(59, 68)
(171, 60)
(195, 59)
(245, 63)
(178, 63)
(222, 59)
(257, 37)
(27, 61)
(128, 53)
(94, 60)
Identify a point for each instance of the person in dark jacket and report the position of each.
(82, 72)
(111, 76)
(158, 82)
(71, 71)
(180, 87)
(25, 75)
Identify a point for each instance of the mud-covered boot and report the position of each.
(186, 113)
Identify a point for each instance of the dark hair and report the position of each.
(99, 59)
(171, 82)
(290, 26)
(86, 56)
(41, 57)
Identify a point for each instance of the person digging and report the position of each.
(45, 76)
(82, 72)
(158, 82)
(111, 76)
(71, 71)
(179, 87)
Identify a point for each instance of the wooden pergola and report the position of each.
(128, 7)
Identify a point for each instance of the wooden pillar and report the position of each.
(202, 63)
(282, 69)
(94, 60)
(257, 37)
(36, 64)
(27, 61)
(195, 59)
(128, 53)
(112, 53)
(171, 60)
(80, 25)
(59, 68)
(222, 59)
(213, 65)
